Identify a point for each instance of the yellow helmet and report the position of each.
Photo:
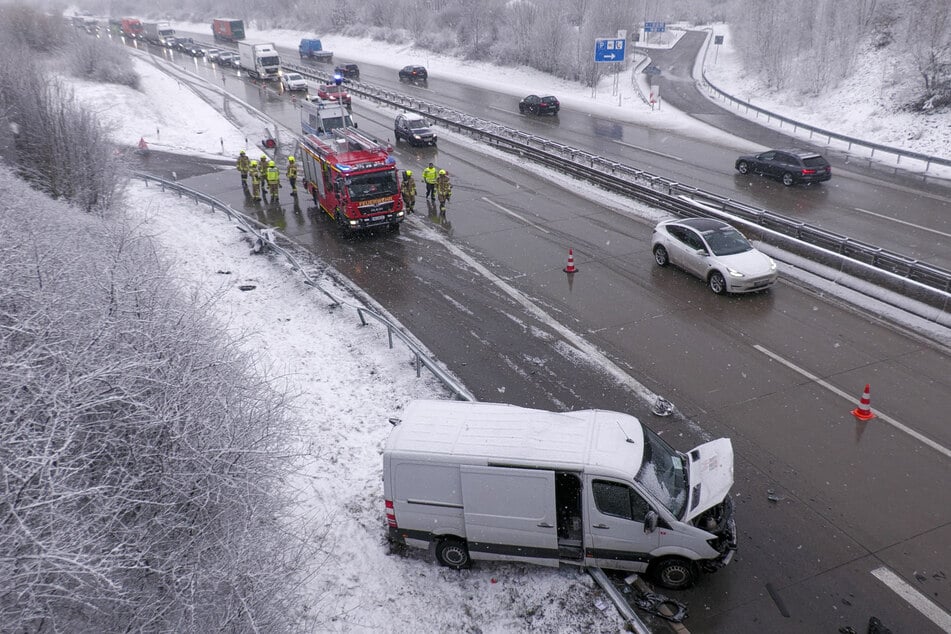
(242, 152)
(290, 159)
(442, 172)
(270, 163)
(254, 163)
(409, 172)
(264, 158)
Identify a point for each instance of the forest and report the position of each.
(799, 45)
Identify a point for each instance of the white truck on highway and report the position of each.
(160, 33)
(261, 60)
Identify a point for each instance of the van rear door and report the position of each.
(510, 514)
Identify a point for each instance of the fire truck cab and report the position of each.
(352, 178)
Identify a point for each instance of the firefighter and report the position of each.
(255, 181)
(409, 192)
(244, 164)
(273, 180)
(292, 174)
(262, 165)
(443, 190)
(429, 177)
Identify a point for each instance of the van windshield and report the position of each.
(663, 473)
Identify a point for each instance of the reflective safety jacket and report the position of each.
(429, 174)
(273, 175)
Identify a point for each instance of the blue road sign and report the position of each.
(609, 49)
(655, 27)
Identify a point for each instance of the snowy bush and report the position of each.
(143, 457)
(97, 60)
(37, 31)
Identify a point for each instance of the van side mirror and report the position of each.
(650, 522)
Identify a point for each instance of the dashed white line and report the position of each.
(917, 600)
(884, 417)
(515, 215)
(903, 222)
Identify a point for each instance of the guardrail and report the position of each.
(264, 237)
(902, 274)
(718, 92)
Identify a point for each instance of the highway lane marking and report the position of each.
(648, 150)
(903, 222)
(515, 215)
(917, 600)
(884, 417)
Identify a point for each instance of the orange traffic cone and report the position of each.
(863, 412)
(571, 262)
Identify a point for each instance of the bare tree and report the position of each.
(929, 39)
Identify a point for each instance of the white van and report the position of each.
(589, 488)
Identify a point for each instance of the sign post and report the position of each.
(717, 40)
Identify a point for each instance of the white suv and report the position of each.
(293, 81)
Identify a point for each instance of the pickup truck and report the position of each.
(313, 49)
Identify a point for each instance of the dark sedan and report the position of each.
(539, 105)
(790, 166)
(414, 129)
(414, 74)
(348, 71)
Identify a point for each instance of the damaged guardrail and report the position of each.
(264, 237)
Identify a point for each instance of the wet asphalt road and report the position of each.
(483, 288)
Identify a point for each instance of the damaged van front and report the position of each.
(694, 488)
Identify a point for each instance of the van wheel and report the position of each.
(453, 553)
(675, 573)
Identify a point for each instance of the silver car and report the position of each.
(715, 252)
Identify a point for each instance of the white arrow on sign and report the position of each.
(609, 56)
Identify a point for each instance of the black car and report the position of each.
(348, 71)
(790, 166)
(539, 105)
(414, 74)
(413, 128)
(182, 43)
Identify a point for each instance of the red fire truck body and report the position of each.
(352, 178)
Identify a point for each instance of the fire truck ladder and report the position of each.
(358, 141)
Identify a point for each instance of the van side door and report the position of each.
(616, 515)
(510, 514)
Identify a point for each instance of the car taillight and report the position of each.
(808, 172)
(390, 514)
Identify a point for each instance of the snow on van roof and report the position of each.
(498, 432)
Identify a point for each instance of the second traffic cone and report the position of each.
(863, 411)
(571, 263)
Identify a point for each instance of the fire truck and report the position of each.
(353, 178)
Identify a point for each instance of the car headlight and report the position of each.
(734, 273)
(416, 136)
